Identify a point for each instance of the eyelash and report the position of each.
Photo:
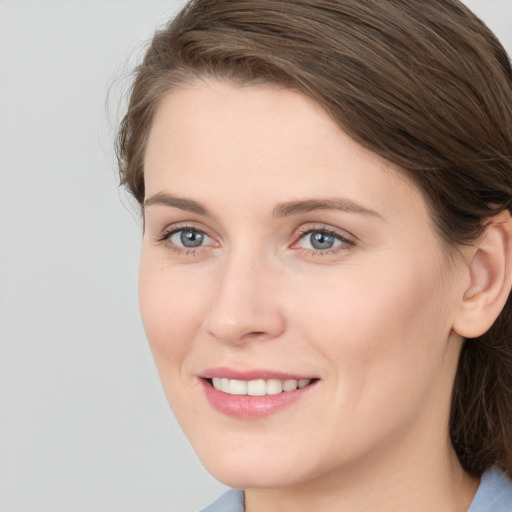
(345, 243)
(165, 238)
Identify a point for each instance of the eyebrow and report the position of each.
(281, 210)
(181, 203)
(309, 205)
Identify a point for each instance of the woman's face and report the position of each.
(279, 253)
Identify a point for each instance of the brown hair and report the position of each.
(424, 84)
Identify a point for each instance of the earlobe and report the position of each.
(490, 279)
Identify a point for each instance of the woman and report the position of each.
(327, 250)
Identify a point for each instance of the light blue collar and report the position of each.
(494, 493)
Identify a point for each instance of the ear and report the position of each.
(490, 279)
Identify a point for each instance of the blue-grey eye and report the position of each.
(320, 240)
(189, 238)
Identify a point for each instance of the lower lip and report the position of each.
(251, 407)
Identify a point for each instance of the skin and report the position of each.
(371, 318)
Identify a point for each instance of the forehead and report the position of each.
(252, 142)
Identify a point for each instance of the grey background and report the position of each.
(84, 425)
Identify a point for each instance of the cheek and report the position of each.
(385, 339)
(172, 309)
(383, 326)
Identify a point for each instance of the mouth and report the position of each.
(258, 387)
(250, 397)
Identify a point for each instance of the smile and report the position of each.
(254, 394)
(258, 387)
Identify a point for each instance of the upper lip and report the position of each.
(254, 374)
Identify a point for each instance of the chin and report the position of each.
(252, 474)
(257, 460)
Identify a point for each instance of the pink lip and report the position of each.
(250, 407)
(230, 373)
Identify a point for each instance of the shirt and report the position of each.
(494, 495)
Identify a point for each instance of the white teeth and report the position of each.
(237, 387)
(259, 387)
(274, 387)
(290, 385)
(216, 382)
(303, 383)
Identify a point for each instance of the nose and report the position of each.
(245, 305)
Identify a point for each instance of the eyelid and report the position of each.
(322, 226)
(182, 226)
